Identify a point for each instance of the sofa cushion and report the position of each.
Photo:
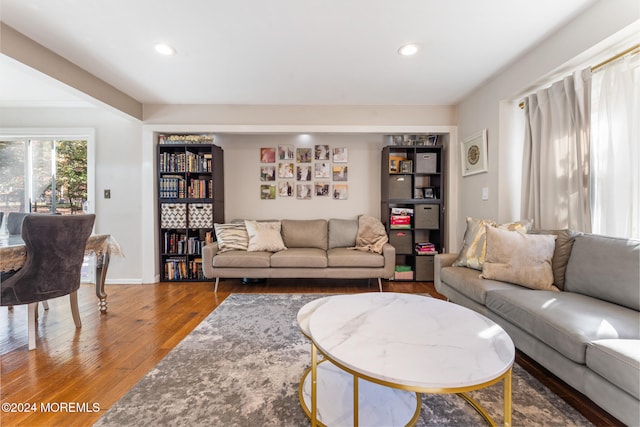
(264, 236)
(564, 243)
(606, 268)
(564, 321)
(231, 237)
(305, 233)
(300, 258)
(467, 281)
(523, 259)
(343, 257)
(342, 233)
(474, 245)
(242, 259)
(618, 361)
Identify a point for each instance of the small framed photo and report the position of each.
(303, 155)
(268, 173)
(340, 155)
(429, 193)
(474, 154)
(303, 173)
(406, 166)
(285, 152)
(322, 170)
(285, 170)
(267, 155)
(285, 189)
(267, 192)
(303, 191)
(340, 173)
(340, 191)
(322, 152)
(322, 189)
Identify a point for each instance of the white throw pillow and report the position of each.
(264, 236)
(523, 259)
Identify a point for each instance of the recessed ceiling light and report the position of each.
(165, 49)
(408, 49)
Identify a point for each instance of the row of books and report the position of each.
(185, 139)
(178, 243)
(175, 187)
(400, 218)
(181, 269)
(186, 162)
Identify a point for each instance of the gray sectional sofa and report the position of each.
(588, 334)
(310, 249)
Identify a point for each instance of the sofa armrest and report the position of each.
(389, 254)
(208, 252)
(441, 261)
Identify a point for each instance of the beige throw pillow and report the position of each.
(371, 234)
(564, 244)
(264, 236)
(474, 245)
(523, 259)
(231, 237)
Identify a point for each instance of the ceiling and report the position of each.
(287, 52)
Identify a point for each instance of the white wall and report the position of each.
(494, 104)
(118, 158)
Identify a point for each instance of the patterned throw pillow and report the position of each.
(231, 237)
(264, 236)
(474, 247)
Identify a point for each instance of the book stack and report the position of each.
(401, 218)
(426, 248)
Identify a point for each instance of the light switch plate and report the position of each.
(485, 193)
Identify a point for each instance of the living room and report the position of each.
(126, 136)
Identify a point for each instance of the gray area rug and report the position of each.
(242, 367)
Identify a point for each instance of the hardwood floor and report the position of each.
(89, 369)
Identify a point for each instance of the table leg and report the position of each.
(314, 377)
(355, 400)
(507, 399)
(101, 275)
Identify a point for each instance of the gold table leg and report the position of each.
(355, 401)
(314, 392)
(507, 399)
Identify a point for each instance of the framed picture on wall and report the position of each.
(285, 189)
(474, 154)
(340, 191)
(322, 189)
(340, 173)
(303, 191)
(267, 155)
(267, 192)
(303, 173)
(322, 170)
(285, 152)
(321, 152)
(340, 155)
(303, 155)
(285, 170)
(268, 173)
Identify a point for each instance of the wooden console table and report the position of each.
(13, 254)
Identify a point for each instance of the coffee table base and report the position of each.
(378, 405)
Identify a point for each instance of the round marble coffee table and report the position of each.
(402, 342)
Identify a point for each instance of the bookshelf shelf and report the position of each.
(190, 200)
(413, 201)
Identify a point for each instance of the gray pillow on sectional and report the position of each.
(564, 243)
(342, 233)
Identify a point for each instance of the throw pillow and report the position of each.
(264, 236)
(564, 243)
(474, 247)
(523, 259)
(231, 237)
(371, 234)
(342, 233)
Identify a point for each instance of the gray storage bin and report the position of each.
(424, 268)
(426, 162)
(402, 240)
(400, 187)
(427, 216)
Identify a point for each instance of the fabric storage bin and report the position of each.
(427, 216)
(426, 162)
(424, 268)
(200, 215)
(173, 215)
(402, 240)
(400, 187)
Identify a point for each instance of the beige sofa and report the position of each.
(314, 249)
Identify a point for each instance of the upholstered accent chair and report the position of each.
(55, 247)
(14, 222)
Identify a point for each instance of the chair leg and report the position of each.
(31, 327)
(45, 304)
(380, 284)
(215, 289)
(75, 312)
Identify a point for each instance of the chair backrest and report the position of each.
(14, 222)
(55, 251)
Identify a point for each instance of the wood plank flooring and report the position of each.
(91, 368)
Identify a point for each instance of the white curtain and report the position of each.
(555, 180)
(615, 149)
